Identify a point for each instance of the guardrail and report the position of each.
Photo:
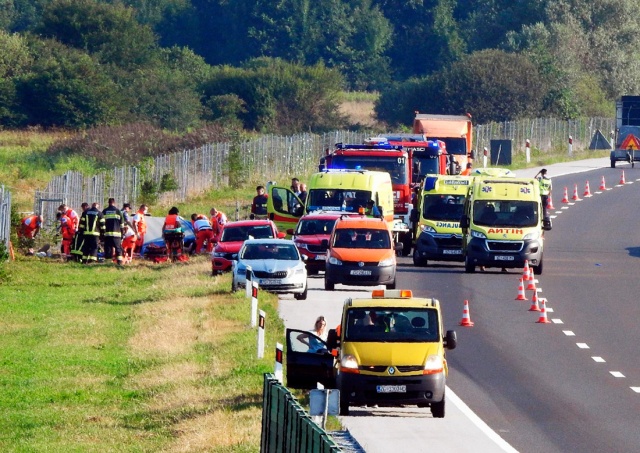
(286, 427)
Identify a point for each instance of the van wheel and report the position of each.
(329, 286)
(537, 270)
(392, 285)
(344, 405)
(302, 295)
(437, 409)
(417, 261)
(469, 268)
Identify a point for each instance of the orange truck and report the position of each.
(456, 131)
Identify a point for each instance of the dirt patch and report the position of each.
(359, 112)
(171, 373)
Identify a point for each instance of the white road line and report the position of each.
(569, 333)
(557, 321)
(616, 374)
(598, 359)
(549, 309)
(635, 389)
(582, 345)
(491, 434)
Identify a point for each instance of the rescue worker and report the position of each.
(259, 204)
(30, 226)
(128, 216)
(218, 220)
(545, 189)
(68, 231)
(303, 193)
(466, 171)
(128, 243)
(92, 228)
(78, 240)
(204, 232)
(140, 226)
(372, 210)
(113, 225)
(295, 186)
(73, 215)
(172, 233)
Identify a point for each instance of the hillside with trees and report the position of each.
(279, 66)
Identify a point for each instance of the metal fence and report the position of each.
(5, 215)
(271, 157)
(286, 427)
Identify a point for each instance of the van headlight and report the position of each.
(348, 364)
(433, 365)
(427, 229)
(335, 261)
(477, 234)
(532, 236)
(387, 262)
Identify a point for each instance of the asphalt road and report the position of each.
(571, 385)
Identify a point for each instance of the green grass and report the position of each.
(144, 358)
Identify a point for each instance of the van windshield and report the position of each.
(443, 207)
(505, 213)
(394, 325)
(337, 199)
(394, 165)
(361, 238)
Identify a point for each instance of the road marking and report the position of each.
(635, 389)
(482, 426)
(616, 374)
(582, 345)
(598, 359)
(549, 309)
(557, 321)
(569, 333)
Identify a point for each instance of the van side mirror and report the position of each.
(464, 222)
(450, 339)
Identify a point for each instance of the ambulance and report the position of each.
(502, 224)
(439, 236)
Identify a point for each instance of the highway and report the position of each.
(515, 384)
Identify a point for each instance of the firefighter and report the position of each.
(140, 226)
(68, 231)
(113, 226)
(92, 228)
(259, 204)
(30, 226)
(78, 239)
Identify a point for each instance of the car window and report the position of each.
(270, 252)
(261, 232)
(392, 324)
(234, 234)
(362, 238)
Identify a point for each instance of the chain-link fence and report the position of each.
(271, 157)
(5, 216)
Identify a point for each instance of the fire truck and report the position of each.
(407, 168)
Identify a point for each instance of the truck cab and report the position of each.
(456, 131)
(389, 350)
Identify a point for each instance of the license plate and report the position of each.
(391, 388)
(452, 252)
(270, 281)
(321, 257)
(360, 272)
(504, 258)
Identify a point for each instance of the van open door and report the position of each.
(309, 361)
(283, 207)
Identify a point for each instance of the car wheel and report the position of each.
(302, 295)
(469, 268)
(437, 409)
(537, 270)
(417, 261)
(312, 271)
(329, 286)
(344, 405)
(392, 285)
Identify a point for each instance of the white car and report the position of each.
(276, 264)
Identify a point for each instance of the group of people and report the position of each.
(259, 203)
(207, 230)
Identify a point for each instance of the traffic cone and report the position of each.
(550, 202)
(532, 280)
(525, 272)
(466, 319)
(534, 301)
(603, 185)
(622, 181)
(575, 193)
(565, 198)
(543, 312)
(521, 295)
(587, 190)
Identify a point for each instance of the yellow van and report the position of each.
(503, 224)
(390, 351)
(439, 236)
(344, 191)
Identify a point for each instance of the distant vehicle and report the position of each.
(456, 131)
(233, 236)
(309, 234)
(627, 140)
(276, 264)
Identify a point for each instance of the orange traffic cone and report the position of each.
(550, 202)
(575, 193)
(521, 295)
(525, 272)
(534, 301)
(603, 185)
(565, 198)
(532, 280)
(543, 312)
(622, 181)
(466, 319)
(587, 190)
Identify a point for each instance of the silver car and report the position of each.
(276, 264)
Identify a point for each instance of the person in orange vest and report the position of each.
(30, 226)
(172, 232)
(466, 171)
(73, 215)
(140, 226)
(128, 243)
(204, 232)
(68, 231)
(218, 219)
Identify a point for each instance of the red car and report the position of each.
(308, 235)
(233, 236)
